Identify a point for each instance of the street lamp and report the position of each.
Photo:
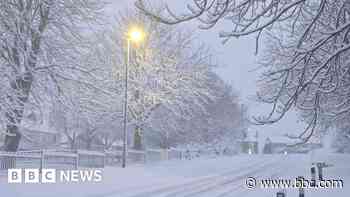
(134, 35)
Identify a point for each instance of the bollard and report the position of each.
(76, 164)
(320, 171)
(281, 194)
(301, 188)
(42, 157)
(313, 176)
(301, 192)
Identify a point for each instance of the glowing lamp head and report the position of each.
(136, 35)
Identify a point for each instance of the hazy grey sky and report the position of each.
(238, 60)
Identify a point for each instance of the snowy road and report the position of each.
(205, 177)
(222, 184)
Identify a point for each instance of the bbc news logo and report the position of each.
(53, 176)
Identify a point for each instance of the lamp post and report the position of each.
(134, 35)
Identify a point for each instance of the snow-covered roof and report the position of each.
(251, 135)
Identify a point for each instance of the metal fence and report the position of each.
(57, 159)
(19, 160)
(91, 159)
(74, 159)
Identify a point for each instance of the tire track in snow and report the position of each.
(239, 190)
(189, 187)
(223, 183)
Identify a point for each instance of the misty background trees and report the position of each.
(305, 59)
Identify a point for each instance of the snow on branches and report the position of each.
(40, 41)
(167, 70)
(306, 62)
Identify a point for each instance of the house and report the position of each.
(39, 137)
(249, 145)
(276, 144)
(38, 133)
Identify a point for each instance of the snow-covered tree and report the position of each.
(306, 62)
(40, 41)
(219, 127)
(341, 135)
(308, 66)
(87, 113)
(222, 124)
(169, 70)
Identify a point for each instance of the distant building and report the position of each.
(284, 144)
(39, 138)
(267, 146)
(277, 144)
(249, 145)
(38, 133)
(95, 144)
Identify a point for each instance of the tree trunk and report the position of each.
(15, 115)
(88, 143)
(21, 86)
(73, 142)
(137, 139)
(13, 139)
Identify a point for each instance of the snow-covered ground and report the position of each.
(204, 177)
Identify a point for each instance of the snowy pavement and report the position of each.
(204, 177)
